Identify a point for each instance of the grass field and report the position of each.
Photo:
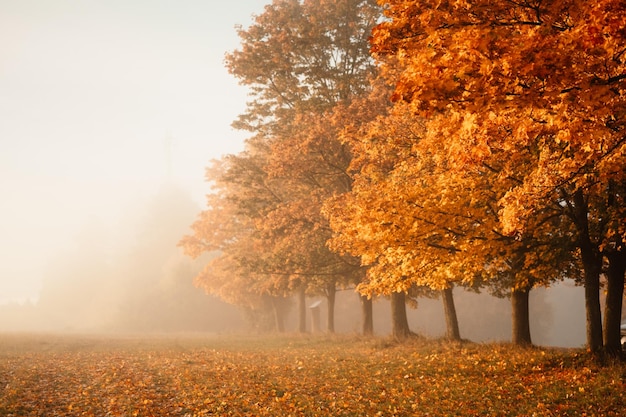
(53, 375)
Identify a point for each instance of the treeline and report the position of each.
(410, 147)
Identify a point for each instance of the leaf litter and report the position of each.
(45, 375)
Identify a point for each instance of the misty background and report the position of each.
(101, 103)
(110, 112)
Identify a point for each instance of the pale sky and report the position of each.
(101, 102)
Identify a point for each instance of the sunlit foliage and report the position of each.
(302, 60)
(486, 148)
(531, 93)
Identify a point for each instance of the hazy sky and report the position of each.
(101, 101)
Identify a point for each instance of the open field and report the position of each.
(53, 375)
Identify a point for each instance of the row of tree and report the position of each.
(410, 148)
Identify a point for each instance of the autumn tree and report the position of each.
(302, 56)
(539, 87)
(418, 227)
(300, 60)
(241, 194)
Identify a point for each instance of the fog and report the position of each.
(102, 102)
(557, 316)
(111, 110)
(131, 277)
(128, 278)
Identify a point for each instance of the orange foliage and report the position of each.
(415, 224)
(301, 60)
(501, 79)
(534, 92)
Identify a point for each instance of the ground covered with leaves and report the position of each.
(51, 375)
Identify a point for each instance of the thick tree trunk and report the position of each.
(331, 292)
(302, 309)
(521, 317)
(452, 321)
(367, 311)
(400, 323)
(613, 307)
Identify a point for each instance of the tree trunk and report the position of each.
(613, 307)
(592, 264)
(279, 321)
(592, 305)
(400, 323)
(331, 292)
(521, 317)
(452, 321)
(367, 311)
(302, 309)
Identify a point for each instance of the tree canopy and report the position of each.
(432, 144)
(532, 90)
(303, 62)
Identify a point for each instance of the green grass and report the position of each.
(47, 375)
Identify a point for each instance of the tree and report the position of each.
(416, 226)
(302, 56)
(339, 207)
(300, 59)
(538, 85)
(242, 194)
